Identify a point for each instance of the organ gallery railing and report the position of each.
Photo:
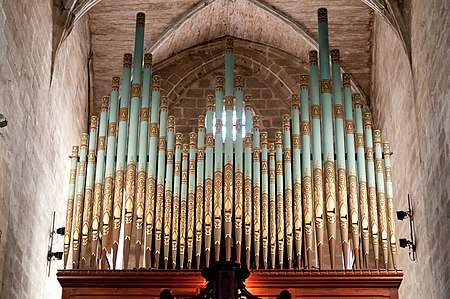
(183, 201)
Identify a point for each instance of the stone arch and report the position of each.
(270, 75)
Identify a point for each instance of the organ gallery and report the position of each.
(308, 210)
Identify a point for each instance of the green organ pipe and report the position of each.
(121, 153)
(151, 170)
(307, 189)
(340, 153)
(256, 190)
(351, 169)
(89, 193)
(168, 191)
(142, 159)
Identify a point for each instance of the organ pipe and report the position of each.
(272, 205)
(287, 187)
(390, 202)
(162, 144)
(133, 128)
(121, 153)
(364, 208)
(296, 177)
(70, 202)
(191, 197)
(247, 194)
(209, 172)
(316, 154)
(256, 182)
(151, 171)
(351, 169)
(248, 178)
(168, 193)
(373, 213)
(218, 168)
(79, 199)
(280, 196)
(327, 133)
(264, 197)
(88, 197)
(99, 180)
(381, 195)
(307, 191)
(109, 171)
(142, 160)
(238, 172)
(199, 189)
(340, 153)
(183, 201)
(176, 200)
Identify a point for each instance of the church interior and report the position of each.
(65, 66)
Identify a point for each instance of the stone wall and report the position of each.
(45, 117)
(411, 106)
(270, 77)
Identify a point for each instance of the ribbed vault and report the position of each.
(270, 76)
(172, 27)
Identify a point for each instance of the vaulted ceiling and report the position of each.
(177, 25)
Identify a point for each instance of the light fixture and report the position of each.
(53, 255)
(408, 243)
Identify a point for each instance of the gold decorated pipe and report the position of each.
(121, 155)
(373, 210)
(133, 129)
(199, 189)
(209, 171)
(296, 177)
(264, 198)
(109, 172)
(288, 187)
(142, 160)
(351, 169)
(191, 198)
(316, 154)
(218, 168)
(340, 153)
(280, 196)
(81, 180)
(151, 170)
(161, 174)
(238, 171)
(168, 188)
(183, 201)
(390, 202)
(89, 194)
(70, 202)
(176, 199)
(361, 164)
(248, 178)
(256, 190)
(381, 195)
(272, 206)
(307, 188)
(99, 180)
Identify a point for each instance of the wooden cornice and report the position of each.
(282, 279)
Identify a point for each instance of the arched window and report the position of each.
(224, 130)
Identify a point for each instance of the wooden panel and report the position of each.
(265, 284)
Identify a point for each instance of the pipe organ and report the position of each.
(142, 195)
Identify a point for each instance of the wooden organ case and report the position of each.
(308, 215)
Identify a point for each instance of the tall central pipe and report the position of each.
(327, 133)
(228, 169)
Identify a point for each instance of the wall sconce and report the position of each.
(408, 243)
(58, 255)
